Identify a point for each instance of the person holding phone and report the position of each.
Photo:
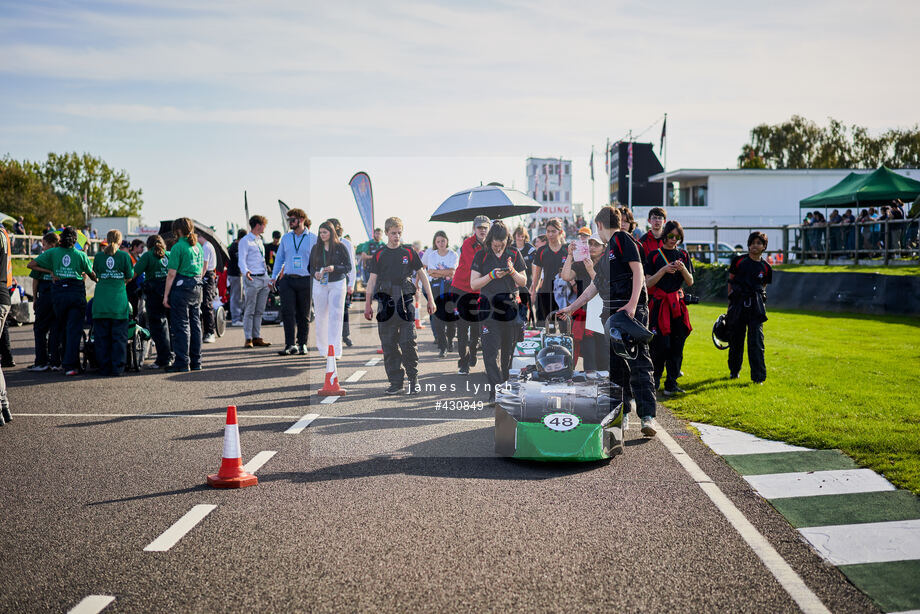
(330, 263)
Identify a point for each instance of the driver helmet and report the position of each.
(555, 362)
(625, 334)
(720, 333)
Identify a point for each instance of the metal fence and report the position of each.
(29, 246)
(878, 241)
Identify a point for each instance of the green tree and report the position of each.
(800, 143)
(74, 177)
(22, 192)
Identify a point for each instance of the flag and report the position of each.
(246, 206)
(607, 156)
(560, 173)
(360, 184)
(591, 163)
(284, 213)
(664, 132)
(629, 158)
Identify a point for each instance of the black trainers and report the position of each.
(303, 350)
(733, 376)
(670, 392)
(394, 389)
(463, 371)
(442, 353)
(347, 342)
(5, 412)
(289, 350)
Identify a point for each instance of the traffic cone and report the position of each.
(331, 386)
(380, 350)
(418, 323)
(231, 474)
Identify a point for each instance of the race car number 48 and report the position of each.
(561, 421)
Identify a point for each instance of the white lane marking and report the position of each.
(301, 424)
(816, 483)
(726, 442)
(355, 376)
(372, 362)
(906, 612)
(182, 526)
(264, 417)
(91, 604)
(258, 460)
(871, 542)
(329, 400)
(784, 574)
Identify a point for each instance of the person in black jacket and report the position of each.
(235, 281)
(747, 277)
(329, 267)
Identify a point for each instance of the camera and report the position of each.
(691, 299)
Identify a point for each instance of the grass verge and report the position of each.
(843, 381)
(849, 268)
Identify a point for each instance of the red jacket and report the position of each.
(461, 279)
(669, 305)
(649, 244)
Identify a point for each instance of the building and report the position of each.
(644, 164)
(130, 227)
(753, 199)
(549, 182)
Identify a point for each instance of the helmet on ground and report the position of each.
(720, 333)
(555, 362)
(625, 335)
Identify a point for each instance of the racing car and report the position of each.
(549, 412)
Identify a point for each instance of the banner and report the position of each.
(364, 197)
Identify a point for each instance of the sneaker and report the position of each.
(648, 426)
(57, 368)
(177, 369)
(304, 350)
(195, 367)
(347, 342)
(5, 413)
(624, 423)
(412, 387)
(394, 389)
(733, 376)
(72, 372)
(237, 323)
(442, 353)
(288, 350)
(463, 371)
(670, 392)
(8, 364)
(37, 368)
(209, 338)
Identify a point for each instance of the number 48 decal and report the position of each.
(561, 421)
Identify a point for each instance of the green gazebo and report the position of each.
(878, 186)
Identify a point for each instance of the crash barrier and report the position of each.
(30, 246)
(231, 473)
(871, 293)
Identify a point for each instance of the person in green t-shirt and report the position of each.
(45, 329)
(153, 266)
(67, 266)
(113, 270)
(182, 296)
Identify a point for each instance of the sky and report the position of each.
(199, 101)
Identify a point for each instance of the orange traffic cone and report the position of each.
(380, 350)
(231, 474)
(418, 323)
(331, 386)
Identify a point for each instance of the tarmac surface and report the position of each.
(382, 503)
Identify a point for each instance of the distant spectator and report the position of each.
(49, 227)
(272, 248)
(234, 281)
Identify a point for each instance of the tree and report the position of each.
(800, 143)
(22, 192)
(74, 177)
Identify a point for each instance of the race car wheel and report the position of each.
(220, 321)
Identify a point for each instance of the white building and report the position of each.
(751, 198)
(549, 182)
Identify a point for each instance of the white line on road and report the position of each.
(813, 483)
(263, 417)
(785, 575)
(91, 604)
(182, 526)
(329, 400)
(301, 424)
(258, 460)
(372, 362)
(355, 376)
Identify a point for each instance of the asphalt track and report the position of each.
(380, 504)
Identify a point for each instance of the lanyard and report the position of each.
(663, 256)
(294, 241)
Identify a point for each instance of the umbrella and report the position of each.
(492, 201)
(4, 218)
(223, 255)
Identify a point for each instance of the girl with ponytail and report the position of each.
(182, 296)
(111, 311)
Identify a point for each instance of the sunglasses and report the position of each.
(673, 236)
(291, 220)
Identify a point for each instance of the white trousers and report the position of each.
(329, 307)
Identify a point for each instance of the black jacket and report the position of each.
(339, 259)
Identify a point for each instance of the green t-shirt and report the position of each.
(65, 262)
(40, 276)
(154, 267)
(186, 259)
(111, 298)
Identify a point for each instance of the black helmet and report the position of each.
(555, 362)
(625, 335)
(720, 333)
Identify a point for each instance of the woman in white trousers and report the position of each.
(329, 266)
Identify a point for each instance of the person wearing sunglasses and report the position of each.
(667, 269)
(291, 275)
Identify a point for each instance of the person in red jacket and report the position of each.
(652, 240)
(468, 323)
